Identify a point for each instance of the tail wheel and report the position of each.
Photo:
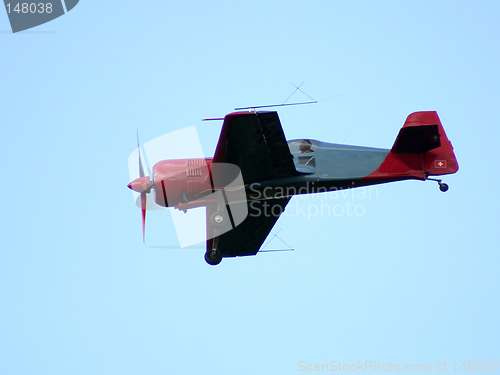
(443, 187)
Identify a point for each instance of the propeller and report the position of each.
(141, 185)
(179, 144)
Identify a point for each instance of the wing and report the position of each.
(255, 142)
(247, 237)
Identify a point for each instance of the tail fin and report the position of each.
(421, 149)
(424, 133)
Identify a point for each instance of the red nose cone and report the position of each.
(140, 185)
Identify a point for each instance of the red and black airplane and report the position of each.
(255, 171)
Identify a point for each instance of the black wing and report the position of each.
(247, 237)
(255, 142)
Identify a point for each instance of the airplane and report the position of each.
(255, 171)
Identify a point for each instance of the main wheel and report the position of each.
(443, 187)
(213, 257)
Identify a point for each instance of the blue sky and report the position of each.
(412, 280)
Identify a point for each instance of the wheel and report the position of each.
(443, 187)
(213, 257)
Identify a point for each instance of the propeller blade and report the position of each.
(143, 208)
(143, 194)
(141, 170)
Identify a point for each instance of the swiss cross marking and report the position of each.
(439, 163)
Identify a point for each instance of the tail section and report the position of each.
(421, 149)
(424, 134)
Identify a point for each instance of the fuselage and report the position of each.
(326, 167)
(321, 168)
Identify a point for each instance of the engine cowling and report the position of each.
(179, 181)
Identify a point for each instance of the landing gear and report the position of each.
(213, 257)
(442, 186)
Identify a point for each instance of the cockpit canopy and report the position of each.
(303, 152)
